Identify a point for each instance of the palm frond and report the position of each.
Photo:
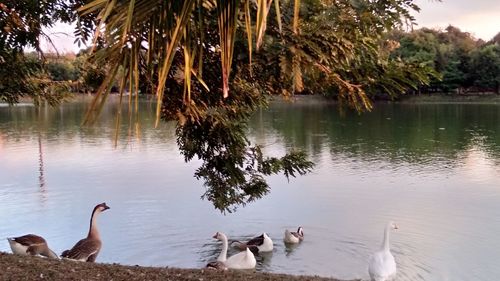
(227, 14)
(278, 14)
(248, 27)
(296, 11)
(263, 7)
(155, 31)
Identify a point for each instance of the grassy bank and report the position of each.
(13, 267)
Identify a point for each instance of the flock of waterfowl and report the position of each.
(381, 266)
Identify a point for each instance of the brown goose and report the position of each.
(31, 244)
(88, 248)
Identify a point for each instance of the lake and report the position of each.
(433, 168)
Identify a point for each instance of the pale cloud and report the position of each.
(480, 18)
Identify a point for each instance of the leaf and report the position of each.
(227, 14)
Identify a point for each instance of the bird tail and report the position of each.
(254, 249)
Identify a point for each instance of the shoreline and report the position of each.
(478, 98)
(491, 99)
(472, 98)
(15, 267)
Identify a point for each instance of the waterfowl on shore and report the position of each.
(262, 243)
(294, 237)
(243, 260)
(382, 265)
(88, 248)
(31, 244)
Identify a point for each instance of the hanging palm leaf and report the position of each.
(278, 14)
(227, 14)
(263, 7)
(248, 27)
(157, 28)
(296, 10)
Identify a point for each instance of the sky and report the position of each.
(481, 18)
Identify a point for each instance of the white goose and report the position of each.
(243, 260)
(262, 243)
(382, 265)
(31, 244)
(294, 237)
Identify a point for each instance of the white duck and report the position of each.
(262, 243)
(294, 237)
(243, 260)
(382, 265)
(31, 244)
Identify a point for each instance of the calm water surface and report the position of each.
(432, 168)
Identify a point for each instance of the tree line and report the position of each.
(464, 64)
(461, 63)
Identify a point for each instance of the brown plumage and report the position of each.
(216, 265)
(88, 248)
(29, 239)
(31, 244)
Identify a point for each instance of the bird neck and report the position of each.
(51, 254)
(385, 243)
(223, 254)
(93, 232)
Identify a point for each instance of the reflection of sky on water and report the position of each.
(441, 186)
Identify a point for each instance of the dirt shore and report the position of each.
(13, 267)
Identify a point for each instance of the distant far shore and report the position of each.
(473, 97)
(14, 267)
(451, 98)
(476, 97)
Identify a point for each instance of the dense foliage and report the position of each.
(332, 50)
(21, 26)
(465, 63)
(341, 51)
(24, 75)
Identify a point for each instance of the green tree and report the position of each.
(62, 69)
(486, 67)
(21, 26)
(420, 46)
(464, 62)
(342, 51)
(189, 50)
